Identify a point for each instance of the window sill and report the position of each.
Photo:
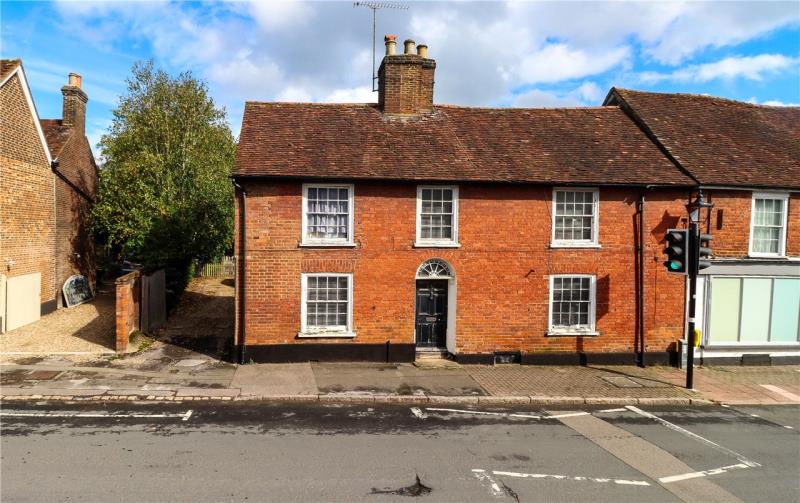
(326, 245)
(564, 333)
(767, 255)
(324, 334)
(435, 244)
(576, 244)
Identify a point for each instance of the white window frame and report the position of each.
(309, 241)
(577, 243)
(592, 329)
(306, 331)
(437, 243)
(784, 196)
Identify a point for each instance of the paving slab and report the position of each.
(276, 379)
(394, 379)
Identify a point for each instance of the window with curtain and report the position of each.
(328, 214)
(768, 231)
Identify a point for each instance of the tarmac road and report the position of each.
(252, 451)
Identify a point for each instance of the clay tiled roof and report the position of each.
(7, 66)
(720, 141)
(599, 146)
(56, 135)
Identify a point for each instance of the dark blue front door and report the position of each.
(431, 313)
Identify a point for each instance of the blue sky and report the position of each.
(488, 53)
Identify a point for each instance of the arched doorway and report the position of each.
(435, 307)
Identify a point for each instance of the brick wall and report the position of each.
(405, 84)
(128, 299)
(729, 223)
(502, 268)
(27, 194)
(75, 247)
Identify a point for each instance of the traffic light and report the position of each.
(704, 251)
(677, 251)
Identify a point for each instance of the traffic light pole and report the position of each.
(694, 257)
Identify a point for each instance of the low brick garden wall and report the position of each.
(128, 312)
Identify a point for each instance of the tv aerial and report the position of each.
(375, 6)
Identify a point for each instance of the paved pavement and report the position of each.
(259, 451)
(201, 377)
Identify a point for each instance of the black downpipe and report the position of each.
(243, 271)
(640, 300)
(54, 166)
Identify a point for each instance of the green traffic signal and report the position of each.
(676, 250)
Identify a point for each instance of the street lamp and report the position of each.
(694, 253)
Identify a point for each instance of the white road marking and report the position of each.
(418, 413)
(489, 481)
(703, 473)
(782, 392)
(569, 477)
(184, 417)
(483, 413)
(694, 436)
(621, 409)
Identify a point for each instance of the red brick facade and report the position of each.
(502, 268)
(43, 217)
(729, 223)
(27, 189)
(506, 163)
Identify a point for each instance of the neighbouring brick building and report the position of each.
(746, 159)
(47, 179)
(382, 231)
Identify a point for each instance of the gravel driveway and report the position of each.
(87, 328)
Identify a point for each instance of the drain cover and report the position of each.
(622, 382)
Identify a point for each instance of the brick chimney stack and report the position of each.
(74, 111)
(405, 81)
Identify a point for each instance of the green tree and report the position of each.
(164, 197)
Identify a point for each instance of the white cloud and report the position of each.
(321, 51)
(586, 94)
(361, 94)
(746, 67)
(772, 103)
(557, 62)
(274, 15)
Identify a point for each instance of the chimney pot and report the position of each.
(422, 50)
(409, 46)
(75, 80)
(391, 44)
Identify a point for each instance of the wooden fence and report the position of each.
(225, 268)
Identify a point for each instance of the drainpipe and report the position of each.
(640, 299)
(242, 254)
(54, 166)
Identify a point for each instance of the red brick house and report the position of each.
(47, 179)
(378, 231)
(746, 159)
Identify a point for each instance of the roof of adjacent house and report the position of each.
(598, 145)
(7, 66)
(56, 134)
(720, 141)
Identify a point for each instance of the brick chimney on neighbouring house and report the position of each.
(74, 111)
(405, 81)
